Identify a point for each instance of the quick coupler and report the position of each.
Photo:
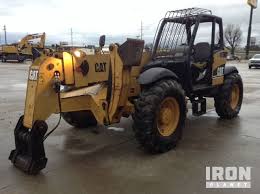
(29, 154)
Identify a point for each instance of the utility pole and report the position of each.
(249, 32)
(5, 34)
(253, 5)
(71, 36)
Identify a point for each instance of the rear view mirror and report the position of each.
(202, 52)
(102, 41)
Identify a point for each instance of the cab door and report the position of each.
(219, 54)
(202, 52)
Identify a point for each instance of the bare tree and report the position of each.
(233, 36)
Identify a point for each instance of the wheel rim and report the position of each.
(235, 96)
(168, 116)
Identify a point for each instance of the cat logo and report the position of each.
(100, 67)
(33, 75)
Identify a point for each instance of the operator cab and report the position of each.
(186, 44)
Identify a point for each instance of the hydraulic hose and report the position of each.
(56, 87)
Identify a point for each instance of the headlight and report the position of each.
(77, 53)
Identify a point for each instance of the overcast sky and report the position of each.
(117, 19)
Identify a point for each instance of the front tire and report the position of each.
(80, 119)
(228, 102)
(159, 117)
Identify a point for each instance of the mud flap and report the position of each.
(29, 154)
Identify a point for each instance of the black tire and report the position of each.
(146, 115)
(223, 99)
(80, 119)
(3, 58)
(21, 58)
(249, 67)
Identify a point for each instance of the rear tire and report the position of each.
(80, 119)
(148, 113)
(228, 102)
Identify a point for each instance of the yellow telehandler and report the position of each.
(152, 86)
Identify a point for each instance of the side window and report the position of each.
(218, 42)
(217, 34)
(204, 33)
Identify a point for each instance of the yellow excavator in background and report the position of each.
(23, 49)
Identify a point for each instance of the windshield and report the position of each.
(256, 57)
(173, 40)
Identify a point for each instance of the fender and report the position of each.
(230, 69)
(155, 74)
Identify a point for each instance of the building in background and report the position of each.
(63, 43)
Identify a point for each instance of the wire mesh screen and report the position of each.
(173, 36)
(172, 32)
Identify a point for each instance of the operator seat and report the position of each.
(181, 51)
(201, 60)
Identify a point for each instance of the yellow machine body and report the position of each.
(90, 90)
(10, 49)
(218, 67)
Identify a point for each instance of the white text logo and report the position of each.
(228, 177)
